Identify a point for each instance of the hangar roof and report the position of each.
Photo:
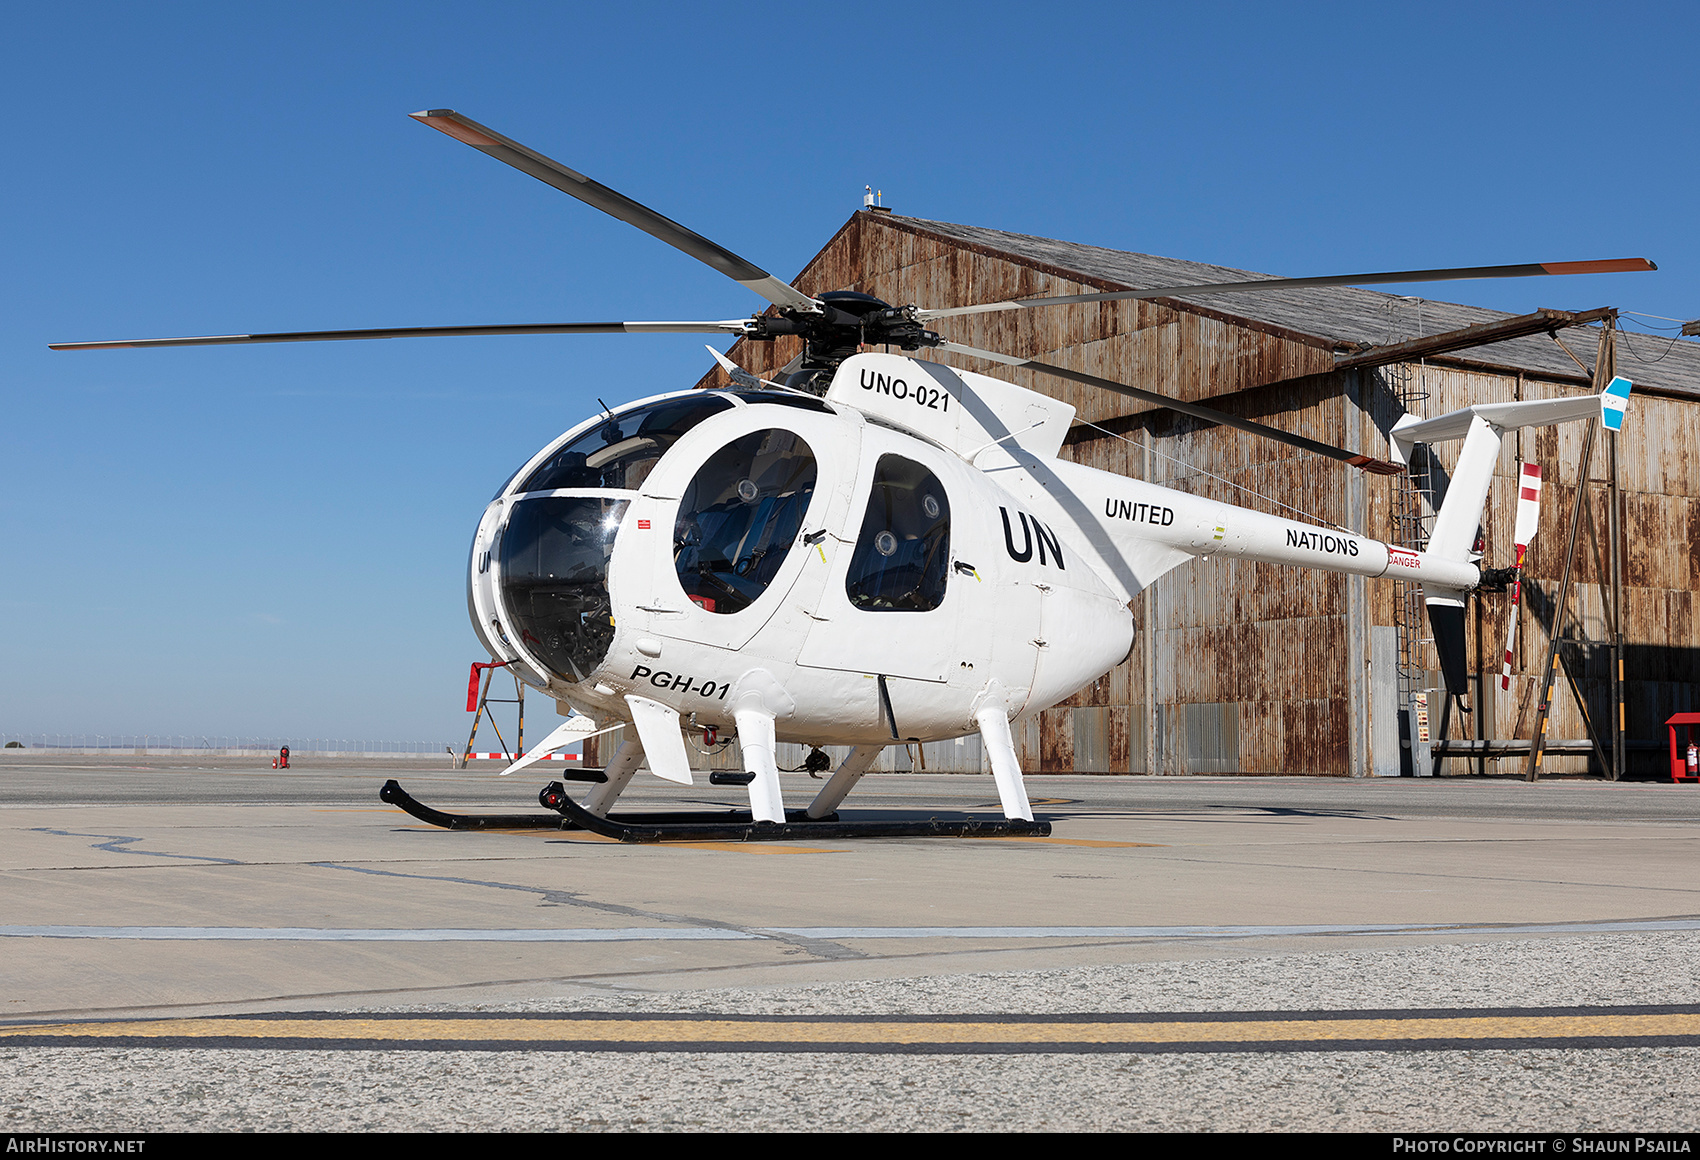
(1334, 314)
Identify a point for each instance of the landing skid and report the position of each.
(394, 795)
(739, 827)
(699, 826)
(552, 796)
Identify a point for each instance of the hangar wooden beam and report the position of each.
(1540, 322)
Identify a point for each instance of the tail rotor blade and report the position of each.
(1528, 508)
(1528, 519)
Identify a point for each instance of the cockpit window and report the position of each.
(621, 451)
(554, 558)
(902, 557)
(740, 517)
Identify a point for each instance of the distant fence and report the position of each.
(962, 755)
(189, 744)
(959, 755)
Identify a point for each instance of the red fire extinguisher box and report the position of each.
(1683, 738)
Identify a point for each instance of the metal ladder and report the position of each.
(1412, 511)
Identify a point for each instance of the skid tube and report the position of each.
(701, 826)
(554, 792)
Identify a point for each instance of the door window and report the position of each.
(740, 516)
(902, 556)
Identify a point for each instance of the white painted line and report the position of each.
(1029, 932)
(370, 934)
(665, 934)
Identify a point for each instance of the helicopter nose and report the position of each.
(552, 579)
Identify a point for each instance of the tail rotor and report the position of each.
(1528, 517)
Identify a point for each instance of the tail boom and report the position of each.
(1142, 530)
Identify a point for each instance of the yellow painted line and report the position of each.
(747, 847)
(1066, 841)
(1012, 1031)
(542, 831)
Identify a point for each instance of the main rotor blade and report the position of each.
(730, 326)
(1208, 414)
(1459, 274)
(593, 193)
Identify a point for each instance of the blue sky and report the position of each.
(271, 539)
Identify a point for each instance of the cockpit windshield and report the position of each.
(621, 451)
(554, 559)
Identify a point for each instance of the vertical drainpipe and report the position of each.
(1149, 657)
(1359, 760)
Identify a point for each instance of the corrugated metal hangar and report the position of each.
(1249, 668)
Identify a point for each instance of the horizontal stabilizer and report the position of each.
(1608, 406)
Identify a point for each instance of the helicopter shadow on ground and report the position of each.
(1214, 814)
(1056, 809)
(1662, 679)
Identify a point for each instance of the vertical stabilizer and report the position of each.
(1482, 428)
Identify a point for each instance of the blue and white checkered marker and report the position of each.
(1613, 403)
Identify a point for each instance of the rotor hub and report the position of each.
(847, 321)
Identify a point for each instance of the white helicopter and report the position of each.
(878, 550)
